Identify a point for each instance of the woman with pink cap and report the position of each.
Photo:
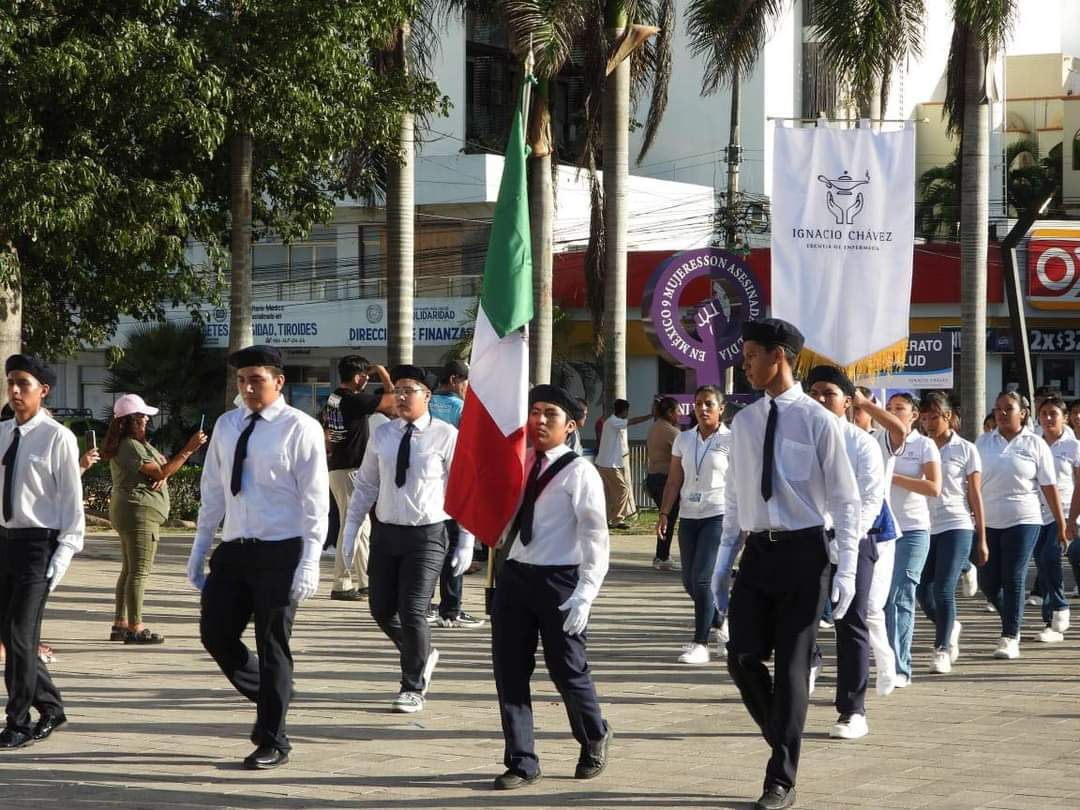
(137, 508)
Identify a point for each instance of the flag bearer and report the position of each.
(788, 469)
(556, 562)
(42, 529)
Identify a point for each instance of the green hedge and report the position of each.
(183, 491)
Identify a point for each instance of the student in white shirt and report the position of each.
(403, 476)
(266, 484)
(954, 534)
(556, 562)
(788, 470)
(1066, 452)
(1017, 464)
(611, 461)
(917, 477)
(695, 480)
(41, 529)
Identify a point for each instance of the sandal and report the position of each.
(144, 636)
(118, 633)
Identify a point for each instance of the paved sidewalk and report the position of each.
(159, 727)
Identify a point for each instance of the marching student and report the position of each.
(557, 560)
(788, 469)
(1066, 452)
(42, 528)
(956, 527)
(266, 477)
(1017, 464)
(403, 476)
(832, 388)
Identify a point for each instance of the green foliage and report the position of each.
(730, 35)
(183, 491)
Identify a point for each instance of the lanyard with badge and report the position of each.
(695, 497)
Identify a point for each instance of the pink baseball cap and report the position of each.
(129, 404)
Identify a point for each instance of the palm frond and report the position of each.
(551, 27)
(730, 35)
(661, 74)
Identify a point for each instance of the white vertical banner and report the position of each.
(843, 234)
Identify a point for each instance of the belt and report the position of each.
(787, 535)
(245, 541)
(28, 534)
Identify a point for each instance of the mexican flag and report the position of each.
(487, 475)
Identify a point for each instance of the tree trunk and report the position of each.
(400, 233)
(616, 117)
(541, 219)
(974, 222)
(10, 324)
(733, 159)
(240, 160)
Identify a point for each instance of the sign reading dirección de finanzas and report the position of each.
(702, 335)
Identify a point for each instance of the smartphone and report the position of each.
(202, 421)
(93, 440)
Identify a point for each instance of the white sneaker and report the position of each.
(1008, 648)
(954, 642)
(886, 683)
(942, 663)
(850, 727)
(694, 654)
(408, 703)
(823, 624)
(661, 565)
(429, 668)
(1048, 635)
(815, 671)
(902, 681)
(969, 582)
(1034, 600)
(1060, 620)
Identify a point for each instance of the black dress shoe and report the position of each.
(10, 738)
(776, 797)
(265, 757)
(46, 725)
(512, 780)
(593, 758)
(350, 595)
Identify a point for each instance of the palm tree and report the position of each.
(938, 211)
(240, 168)
(979, 33)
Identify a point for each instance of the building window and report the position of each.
(296, 271)
(820, 90)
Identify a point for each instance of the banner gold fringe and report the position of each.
(888, 360)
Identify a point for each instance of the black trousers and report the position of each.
(775, 604)
(403, 566)
(853, 637)
(253, 579)
(526, 608)
(450, 587)
(23, 593)
(655, 483)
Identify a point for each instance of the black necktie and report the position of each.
(241, 454)
(9, 472)
(403, 455)
(528, 504)
(767, 457)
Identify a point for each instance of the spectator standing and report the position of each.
(611, 461)
(658, 444)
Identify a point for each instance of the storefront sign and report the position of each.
(928, 364)
(702, 335)
(1054, 268)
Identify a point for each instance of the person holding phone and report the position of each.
(138, 506)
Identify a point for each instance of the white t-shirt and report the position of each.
(1013, 471)
(911, 509)
(1066, 453)
(613, 444)
(705, 465)
(888, 458)
(951, 509)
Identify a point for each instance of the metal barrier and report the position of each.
(639, 467)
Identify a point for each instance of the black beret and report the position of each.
(556, 396)
(774, 331)
(455, 368)
(256, 356)
(831, 374)
(32, 366)
(407, 371)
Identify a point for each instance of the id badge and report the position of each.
(695, 497)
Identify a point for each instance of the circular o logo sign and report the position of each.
(701, 328)
(374, 313)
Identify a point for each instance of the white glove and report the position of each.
(461, 559)
(721, 578)
(348, 551)
(843, 591)
(196, 566)
(58, 565)
(577, 615)
(305, 583)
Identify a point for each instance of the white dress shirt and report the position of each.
(1066, 453)
(613, 445)
(569, 523)
(812, 476)
(420, 502)
(47, 490)
(869, 469)
(910, 508)
(1013, 471)
(951, 510)
(284, 486)
(705, 465)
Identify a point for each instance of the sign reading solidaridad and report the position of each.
(704, 336)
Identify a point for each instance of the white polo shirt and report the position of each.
(910, 508)
(704, 465)
(951, 510)
(1013, 471)
(1066, 453)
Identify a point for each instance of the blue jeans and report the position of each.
(937, 588)
(911, 550)
(1048, 572)
(699, 541)
(1003, 577)
(1074, 559)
